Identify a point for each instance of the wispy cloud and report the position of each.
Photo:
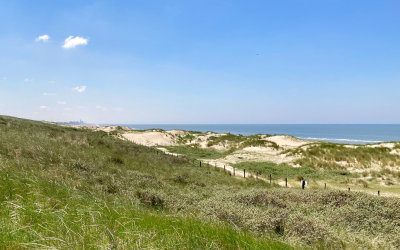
(49, 94)
(44, 107)
(74, 41)
(4, 78)
(28, 80)
(42, 38)
(80, 89)
(61, 103)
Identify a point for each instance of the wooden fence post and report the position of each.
(224, 169)
(234, 171)
(200, 163)
(270, 179)
(325, 185)
(286, 182)
(349, 189)
(379, 193)
(244, 173)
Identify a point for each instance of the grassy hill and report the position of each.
(74, 188)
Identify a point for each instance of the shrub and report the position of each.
(150, 199)
(363, 183)
(117, 160)
(183, 179)
(262, 199)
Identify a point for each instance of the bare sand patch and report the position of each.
(150, 138)
(286, 141)
(390, 145)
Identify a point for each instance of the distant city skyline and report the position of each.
(201, 62)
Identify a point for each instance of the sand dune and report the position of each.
(151, 138)
(287, 141)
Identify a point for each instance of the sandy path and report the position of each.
(228, 168)
(155, 138)
(219, 164)
(241, 174)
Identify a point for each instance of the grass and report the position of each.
(36, 213)
(226, 138)
(240, 141)
(281, 171)
(327, 155)
(68, 188)
(197, 152)
(188, 137)
(72, 188)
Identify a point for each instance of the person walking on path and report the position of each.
(303, 183)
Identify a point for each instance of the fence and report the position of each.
(232, 172)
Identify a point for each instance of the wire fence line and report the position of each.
(235, 172)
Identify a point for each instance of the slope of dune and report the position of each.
(69, 188)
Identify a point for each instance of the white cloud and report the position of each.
(42, 38)
(67, 109)
(52, 81)
(43, 107)
(28, 80)
(49, 94)
(61, 103)
(73, 41)
(4, 78)
(80, 89)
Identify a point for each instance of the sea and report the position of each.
(338, 133)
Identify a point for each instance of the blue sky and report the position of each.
(286, 61)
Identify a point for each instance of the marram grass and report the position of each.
(69, 188)
(38, 214)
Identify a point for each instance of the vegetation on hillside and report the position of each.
(281, 171)
(195, 152)
(329, 155)
(74, 188)
(233, 141)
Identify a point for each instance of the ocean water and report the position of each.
(339, 133)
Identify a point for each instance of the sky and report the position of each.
(199, 62)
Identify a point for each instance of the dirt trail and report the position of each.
(266, 153)
(241, 174)
(228, 168)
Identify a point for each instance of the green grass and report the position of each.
(197, 152)
(240, 141)
(71, 188)
(256, 141)
(185, 138)
(281, 171)
(37, 213)
(230, 138)
(325, 155)
(68, 188)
